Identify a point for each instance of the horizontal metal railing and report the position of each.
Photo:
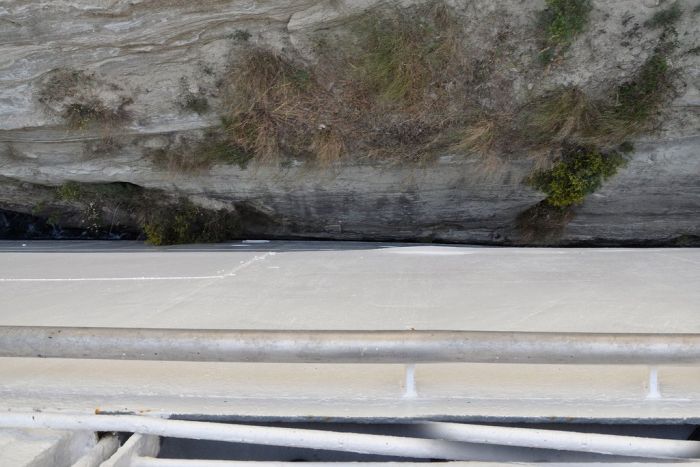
(407, 347)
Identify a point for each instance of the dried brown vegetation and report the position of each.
(391, 89)
(272, 105)
(403, 85)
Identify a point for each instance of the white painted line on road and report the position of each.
(97, 279)
(142, 278)
(434, 251)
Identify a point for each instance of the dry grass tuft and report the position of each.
(271, 105)
(568, 114)
(255, 132)
(63, 84)
(266, 78)
(390, 89)
(561, 115)
(92, 111)
(328, 146)
(403, 53)
(478, 138)
(194, 156)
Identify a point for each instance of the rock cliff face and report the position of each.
(101, 91)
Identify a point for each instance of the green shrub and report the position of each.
(189, 223)
(666, 17)
(127, 207)
(580, 172)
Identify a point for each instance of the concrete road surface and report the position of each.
(328, 285)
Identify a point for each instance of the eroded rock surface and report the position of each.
(149, 74)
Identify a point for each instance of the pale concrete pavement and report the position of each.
(319, 285)
(326, 285)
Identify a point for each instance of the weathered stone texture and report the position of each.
(154, 51)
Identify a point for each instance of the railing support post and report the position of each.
(653, 391)
(410, 391)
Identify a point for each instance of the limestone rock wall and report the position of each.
(147, 57)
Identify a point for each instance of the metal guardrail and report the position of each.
(437, 440)
(408, 347)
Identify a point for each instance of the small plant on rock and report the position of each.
(560, 23)
(63, 84)
(240, 35)
(70, 191)
(80, 115)
(195, 103)
(666, 17)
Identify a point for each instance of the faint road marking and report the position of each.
(95, 279)
(142, 278)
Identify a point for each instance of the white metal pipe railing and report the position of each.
(630, 446)
(249, 434)
(159, 462)
(104, 449)
(450, 443)
(408, 347)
